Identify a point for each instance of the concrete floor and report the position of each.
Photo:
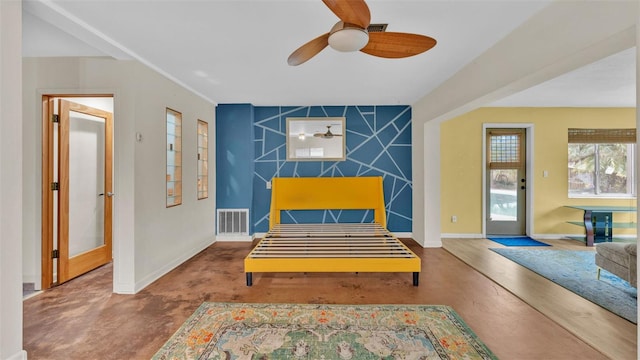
(82, 319)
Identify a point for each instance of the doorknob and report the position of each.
(110, 194)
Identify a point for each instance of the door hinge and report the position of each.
(55, 254)
(55, 118)
(55, 186)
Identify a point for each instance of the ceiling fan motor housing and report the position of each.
(348, 37)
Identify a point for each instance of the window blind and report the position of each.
(602, 136)
(504, 150)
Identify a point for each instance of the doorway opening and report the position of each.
(77, 185)
(506, 180)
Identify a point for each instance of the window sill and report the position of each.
(603, 197)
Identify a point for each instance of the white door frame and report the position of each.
(529, 169)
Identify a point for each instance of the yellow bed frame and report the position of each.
(329, 247)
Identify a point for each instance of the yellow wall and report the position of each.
(461, 165)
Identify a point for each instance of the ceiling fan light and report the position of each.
(348, 39)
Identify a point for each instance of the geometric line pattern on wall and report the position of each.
(378, 143)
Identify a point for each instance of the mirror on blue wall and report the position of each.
(316, 139)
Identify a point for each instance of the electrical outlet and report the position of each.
(268, 184)
(454, 218)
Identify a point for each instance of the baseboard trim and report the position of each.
(223, 238)
(170, 266)
(554, 236)
(535, 236)
(403, 235)
(20, 355)
(569, 236)
(461, 236)
(437, 243)
(124, 288)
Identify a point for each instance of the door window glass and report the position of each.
(505, 159)
(86, 182)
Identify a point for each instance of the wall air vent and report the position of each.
(377, 28)
(234, 222)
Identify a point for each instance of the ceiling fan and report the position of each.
(327, 135)
(351, 34)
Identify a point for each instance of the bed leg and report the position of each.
(249, 279)
(416, 276)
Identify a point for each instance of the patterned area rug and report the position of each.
(576, 270)
(301, 331)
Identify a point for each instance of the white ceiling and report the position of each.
(236, 51)
(610, 82)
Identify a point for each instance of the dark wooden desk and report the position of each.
(598, 222)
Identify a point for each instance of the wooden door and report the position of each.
(85, 194)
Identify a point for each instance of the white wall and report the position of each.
(562, 37)
(426, 181)
(638, 127)
(170, 235)
(10, 181)
(149, 239)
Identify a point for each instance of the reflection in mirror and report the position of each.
(316, 139)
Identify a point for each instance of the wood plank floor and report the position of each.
(82, 319)
(612, 335)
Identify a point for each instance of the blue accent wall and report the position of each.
(234, 156)
(378, 140)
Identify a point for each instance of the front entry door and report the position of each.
(506, 182)
(79, 204)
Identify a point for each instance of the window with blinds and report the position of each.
(505, 150)
(601, 162)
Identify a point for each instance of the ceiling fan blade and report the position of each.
(308, 50)
(397, 45)
(350, 11)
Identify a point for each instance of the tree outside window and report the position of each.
(599, 169)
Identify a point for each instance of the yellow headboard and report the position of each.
(324, 193)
